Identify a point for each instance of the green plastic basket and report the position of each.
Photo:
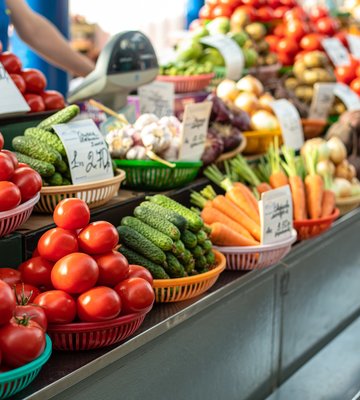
(13, 381)
(151, 175)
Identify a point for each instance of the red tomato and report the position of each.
(7, 302)
(59, 307)
(279, 31)
(28, 181)
(205, 12)
(35, 253)
(265, 14)
(19, 82)
(230, 3)
(295, 14)
(287, 46)
(113, 267)
(136, 295)
(286, 59)
(34, 312)
(136, 271)
(295, 30)
(279, 12)
(10, 276)
(355, 86)
(25, 293)
(21, 164)
(317, 12)
(21, 341)
(274, 4)
(35, 80)
(75, 273)
(12, 156)
(221, 11)
(72, 214)
(342, 36)
(288, 3)
(11, 63)
(57, 243)
(98, 238)
(1, 141)
(53, 100)
(253, 3)
(358, 71)
(272, 41)
(345, 74)
(327, 26)
(6, 167)
(10, 196)
(98, 304)
(35, 102)
(37, 272)
(311, 42)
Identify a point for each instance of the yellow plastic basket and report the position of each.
(258, 142)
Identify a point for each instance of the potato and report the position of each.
(310, 76)
(256, 30)
(291, 83)
(271, 59)
(315, 59)
(299, 69)
(304, 93)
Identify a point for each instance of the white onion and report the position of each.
(227, 90)
(325, 167)
(341, 187)
(263, 120)
(265, 101)
(251, 85)
(247, 102)
(337, 150)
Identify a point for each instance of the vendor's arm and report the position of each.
(45, 39)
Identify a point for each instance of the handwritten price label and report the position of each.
(347, 96)
(276, 215)
(195, 126)
(354, 45)
(336, 51)
(86, 150)
(157, 98)
(322, 101)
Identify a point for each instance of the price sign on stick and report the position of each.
(322, 101)
(336, 51)
(11, 100)
(231, 52)
(276, 215)
(195, 126)
(354, 44)
(157, 98)
(347, 96)
(86, 150)
(290, 123)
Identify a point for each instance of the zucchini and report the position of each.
(156, 270)
(197, 251)
(201, 264)
(207, 245)
(179, 248)
(210, 258)
(34, 148)
(61, 117)
(201, 236)
(189, 239)
(154, 221)
(55, 180)
(162, 241)
(137, 242)
(46, 137)
(44, 168)
(174, 268)
(195, 222)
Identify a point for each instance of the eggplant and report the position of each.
(241, 120)
(230, 135)
(220, 112)
(214, 147)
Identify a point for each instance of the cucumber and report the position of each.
(174, 268)
(61, 166)
(137, 242)
(195, 222)
(190, 266)
(162, 241)
(173, 217)
(61, 117)
(197, 251)
(161, 225)
(46, 137)
(186, 257)
(201, 236)
(207, 229)
(207, 245)
(156, 270)
(44, 168)
(179, 248)
(34, 148)
(55, 180)
(66, 182)
(201, 264)
(189, 239)
(210, 258)
(67, 174)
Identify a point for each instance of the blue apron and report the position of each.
(4, 24)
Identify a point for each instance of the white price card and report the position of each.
(157, 98)
(86, 150)
(354, 45)
(336, 51)
(276, 215)
(11, 100)
(347, 96)
(322, 101)
(195, 126)
(231, 52)
(290, 123)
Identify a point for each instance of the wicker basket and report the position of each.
(186, 84)
(233, 153)
(95, 194)
(258, 142)
(347, 204)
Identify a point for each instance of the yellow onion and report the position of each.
(264, 120)
(337, 150)
(247, 102)
(251, 85)
(227, 90)
(265, 101)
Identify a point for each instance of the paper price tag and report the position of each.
(231, 52)
(11, 100)
(347, 96)
(290, 123)
(157, 98)
(322, 101)
(86, 150)
(336, 51)
(354, 44)
(276, 215)
(195, 126)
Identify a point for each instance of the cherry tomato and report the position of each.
(1, 141)
(10, 275)
(345, 74)
(28, 181)
(57, 243)
(265, 14)
(317, 12)
(98, 238)
(327, 26)
(35, 102)
(279, 31)
(11, 63)
(221, 11)
(136, 295)
(98, 304)
(6, 167)
(287, 46)
(311, 42)
(12, 157)
(25, 293)
(59, 307)
(37, 272)
(72, 214)
(19, 82)
(34, 312)
(113, 267)
(136, 271)
(75, 273)
(10, 196)
(279, 12)
(35, 80)
(53, 100)
(7, 302)
(355, 86)
(295, 30)
(205, 12)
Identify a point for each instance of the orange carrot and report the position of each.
(328, 203)
(237, 196)
(249, 195)
(298, 198)
(234, 212)
(222, 235)
(263, 187)
(278, 179)
(314, 186)
(211, 215)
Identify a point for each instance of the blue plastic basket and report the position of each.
(13, 381)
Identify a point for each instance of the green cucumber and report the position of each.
(201, 236)
(207, 245)
(201, 264)
(210, 258)
(46, 137)
(174, 268)
(190, 266)
(44, 168)
(189, 239)
(34, 148)
(55, 180)
(61, 117)
(197, 251)
(179, 248)
(61, 166)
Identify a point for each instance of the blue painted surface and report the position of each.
(4, 24)
(192, 10)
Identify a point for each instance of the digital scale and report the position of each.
(127, 61)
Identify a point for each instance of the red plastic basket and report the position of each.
(310, 228)
(12, 219)
(93, 335)
(186, 84)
